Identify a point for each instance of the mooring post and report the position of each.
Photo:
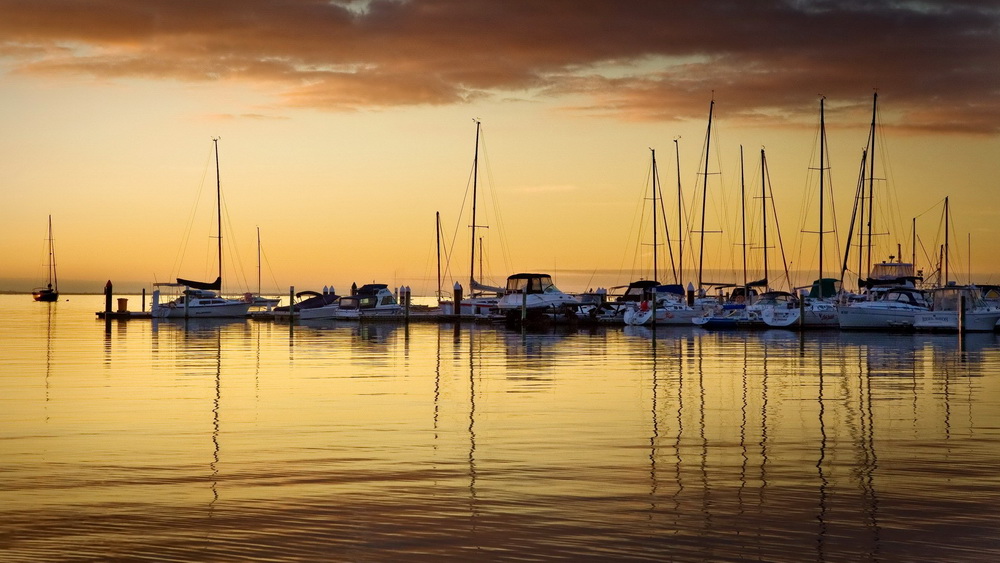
(457, 298)
(107, 298)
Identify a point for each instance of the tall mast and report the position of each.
(871, 183)
(53, 278)
(656, 271)
(763, 202)
(743, 215)
(437, 235)
(946, 240)
(258, 260)
(475, 181)
(822, 165)
(218, 206)
(704, 194)
(680, 224)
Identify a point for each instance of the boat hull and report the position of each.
(45, 295)
(861, 317)
(947, 321)
(215, 311)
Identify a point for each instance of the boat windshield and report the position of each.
(531, 284)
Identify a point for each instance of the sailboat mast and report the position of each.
(946, 240)
(258, 260)
(475, 187)
(680, 223)
(871, 183)
(53, 278)
(656, 270)
(763, 203)
(822, 168)
(218, 206)
(743, 215)
(704, 195)
(437, 245)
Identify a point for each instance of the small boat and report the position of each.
(746, 316)
(50, 292)
(666, 305)
(819, 309)
(532, 297)
(953, 303)
(307, 300)
(892, 308)
(372, 301)
(199, 299)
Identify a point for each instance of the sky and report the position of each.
(346, 128)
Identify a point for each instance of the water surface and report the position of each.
(250, 440)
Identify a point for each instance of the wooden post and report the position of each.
(457, 297)
(107, 298)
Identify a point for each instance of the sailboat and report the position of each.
(199, 299)
(50, 292)
(647, 301)
(482, 300)
(258, 299)
(817, 310)
(892, 300)
(745, 308)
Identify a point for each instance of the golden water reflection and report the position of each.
(243, 440)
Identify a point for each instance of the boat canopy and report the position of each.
(529, 283)
(825, 287)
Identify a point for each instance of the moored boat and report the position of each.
(957, 308)
(892, 308)
(199, 299)
(50, 292)
(531, 296)
(370, 302)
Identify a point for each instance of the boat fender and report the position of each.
(644, 306)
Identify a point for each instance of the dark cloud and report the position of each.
(936, 60)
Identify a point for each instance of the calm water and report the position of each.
(256, 441)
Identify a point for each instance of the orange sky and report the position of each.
(345, 126)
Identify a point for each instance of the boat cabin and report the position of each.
(530, 284)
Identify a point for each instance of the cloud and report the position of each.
(649, 60)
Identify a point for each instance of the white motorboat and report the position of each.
(894, 308)
(371, 302)
(530, 296)
(950, 304)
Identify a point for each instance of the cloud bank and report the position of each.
(636, 60)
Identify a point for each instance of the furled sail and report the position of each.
(216, 285)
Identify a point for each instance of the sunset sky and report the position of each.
(345, 126)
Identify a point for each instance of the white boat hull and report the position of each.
(863, 317)
(638, 317)
(224, 310)
(947, 321)
(816, 316)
